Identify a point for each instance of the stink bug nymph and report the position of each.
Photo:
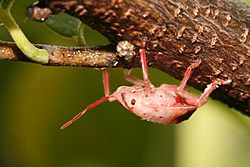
(165, 104)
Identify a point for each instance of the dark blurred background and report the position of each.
(36, 100)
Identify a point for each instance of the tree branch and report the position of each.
(178, 33)
(94, 57)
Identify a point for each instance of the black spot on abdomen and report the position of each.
(133, 101)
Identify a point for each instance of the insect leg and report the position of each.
(131, 78)
(209, 89)
(188, 73)
(142, 53)
(125, 102)
(106, 82)
(79, 115)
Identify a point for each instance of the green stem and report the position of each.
(33, 53)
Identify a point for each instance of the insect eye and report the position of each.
(133, 101)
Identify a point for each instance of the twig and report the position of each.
(95, 57)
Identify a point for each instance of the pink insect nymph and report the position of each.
(165, 105)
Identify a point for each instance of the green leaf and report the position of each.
(67, 26)
(64, 24)
(6, 3)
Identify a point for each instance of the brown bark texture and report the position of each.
(178, 32)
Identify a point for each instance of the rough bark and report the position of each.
(178, 33)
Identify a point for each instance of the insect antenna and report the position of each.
(80, 114)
